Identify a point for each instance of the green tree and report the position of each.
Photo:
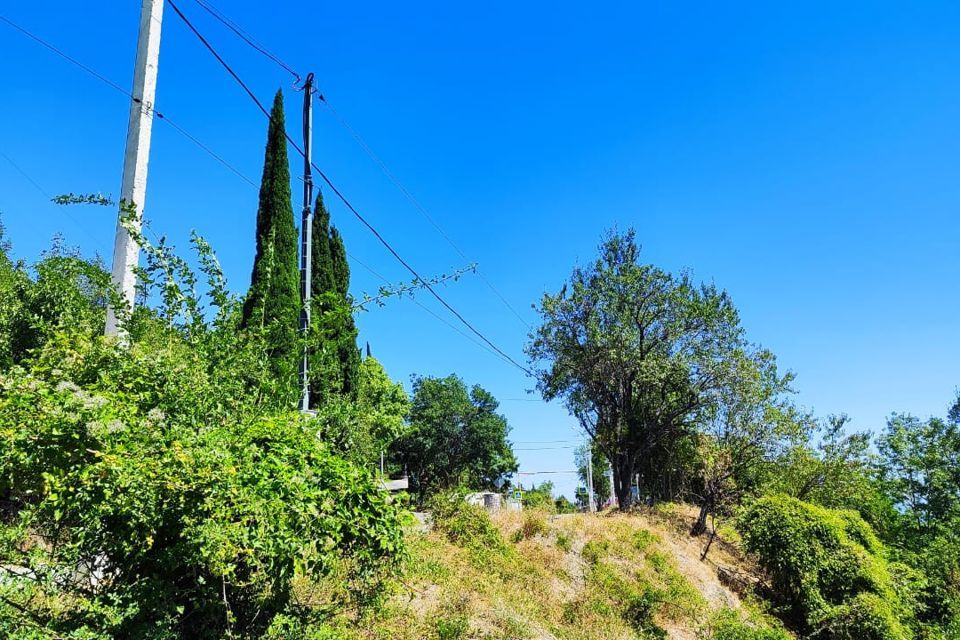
(335, 363)
(363, 428)
(751, 422)
(639, 356)
(833, 468)
(272, 305)
(920, 462)
(456, 437)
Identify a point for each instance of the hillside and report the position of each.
(576, 576)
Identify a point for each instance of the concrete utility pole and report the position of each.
(133, 187)
(306, 242)
(591, 503)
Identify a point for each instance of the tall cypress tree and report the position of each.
(335, 364)
(348, 353)
(272, 305)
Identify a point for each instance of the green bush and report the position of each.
(827, 566)
(534, 524)
(145, 503)
(463, 523)
(163, 489)
(866, 616)
(727, 624)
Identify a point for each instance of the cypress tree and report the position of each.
(336, 362)
(348, 353)
(272, 305)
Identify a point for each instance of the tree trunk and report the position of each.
(706, 507)
(622, 477)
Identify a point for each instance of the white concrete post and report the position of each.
(133, 186)
(591, 503)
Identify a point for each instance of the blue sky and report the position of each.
(802, 156)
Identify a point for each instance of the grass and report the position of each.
(576, 577)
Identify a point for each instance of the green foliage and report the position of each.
(866, 616)
(456, 437)
(639, 355)
(61, 291)
(364, 427)
(827, 566)
(463, 523)
(728, 624)
(160, 490)
(834, 469)
(920, 465)
(563, 505)
(272, 305)
(751, 422)
(539, 498)
(173, 508)
(335, 360)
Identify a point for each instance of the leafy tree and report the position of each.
(752, 422)
(539, 497)
(272, 305)
(834, 469)
(920, 471)
(920, 463)
(335, 364)
(639, 356)
(456, 437)
(601, 472)
(364, 428)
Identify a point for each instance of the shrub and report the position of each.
(463, 523)
(148, 500)
(534, 524)
(727, 624)
(821, 561)
(866, 616)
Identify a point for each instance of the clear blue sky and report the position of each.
(803, 156)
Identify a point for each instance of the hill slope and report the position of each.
(577, 576)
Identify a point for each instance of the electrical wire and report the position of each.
(252, 42)
(246, 37)
(46, 195)
(537, 473)
(416, 203)
(110, 83)
(430, 311)
(342, 197)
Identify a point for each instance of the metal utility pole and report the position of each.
(591, 503)
(133, 186)
(306, 241)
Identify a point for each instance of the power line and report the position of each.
(416, 203)
(246, 37)
(42, 191)
(251, 41)
(110, 83)
(430, 311)
(46, 195)
(537, 473)
(343, 198)
(545, 448)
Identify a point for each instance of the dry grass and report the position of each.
(576, 577)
